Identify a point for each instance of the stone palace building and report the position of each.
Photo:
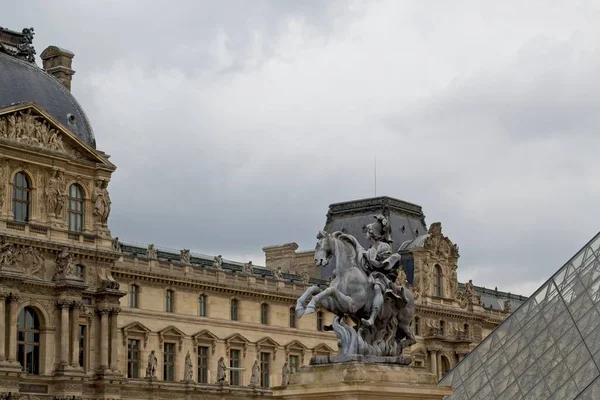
(90, 317)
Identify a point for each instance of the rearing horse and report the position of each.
(350, 291)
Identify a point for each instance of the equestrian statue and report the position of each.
(363, 290)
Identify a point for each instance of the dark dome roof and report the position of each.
(23, 82)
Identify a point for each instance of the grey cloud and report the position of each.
(234, 126)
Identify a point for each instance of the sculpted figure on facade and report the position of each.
(55, 195)
(188, 374)
(507, 306)
(218, 262)
(285, 374)
(3, 185)
(401, 280)
(454, 282)
(31, 262)
(151, 252)
(471, 295)
(221, 367)
(278, 273)
(65, 266)
(102, 202)
(248, 268)
(363, 288)
(184, 256)
(305, 278)
(151, 368)
(116, 246)
(438, 244)
(254, 379)
(7, 254)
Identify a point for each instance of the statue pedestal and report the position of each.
(358, 381)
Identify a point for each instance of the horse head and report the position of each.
(324, 249)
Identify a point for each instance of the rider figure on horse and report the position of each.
(380, 264)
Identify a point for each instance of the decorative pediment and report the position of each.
(205, 336)
(135, 329)
(236, 340)
(438, 244)
(171, 333)
(267, 343)
(29, 125)
(295, 346)
(322, 348)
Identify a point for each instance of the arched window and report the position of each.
(445, 365)
(467, 333)
(264, 314)
(21, 197)
(202, 305)
(442, 328)
(169, 301)
(437, 281)
(292, 317)
(417, 321)
(134, 296)
(75, 210)
(28, 341)
(234, 310)
(319, 320)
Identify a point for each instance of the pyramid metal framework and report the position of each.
(549, 348)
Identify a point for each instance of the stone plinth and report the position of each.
(359, 381)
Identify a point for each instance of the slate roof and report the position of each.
(25, 82)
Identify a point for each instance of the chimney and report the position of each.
(57, 62)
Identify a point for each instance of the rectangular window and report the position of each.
(265, 365)
(294, 364)
(319, 320)
(234, 362)
(264, 314)
(202, 364)
(169, 362)
(82, 345)
(133, 358)
(292, 317)
(133, 296)
(202, 306)
(169, 301)
(234, 310)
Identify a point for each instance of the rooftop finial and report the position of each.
(19, 45)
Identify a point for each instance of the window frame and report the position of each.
(265, 369)
(438, 290)
(264, 314)
(169, 365)
(134, 295)
(133, 363)
(76, 214)
(235, 375)
(21, 197)
(234, 306)
(169, 301)
(25, 343)
(203, 305)
(203, 364)
(293, 320)
(320, 321)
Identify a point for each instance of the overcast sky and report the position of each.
(234, 124)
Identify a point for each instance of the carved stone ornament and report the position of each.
(188, 374)
(21, 46)
(31, 262)
(439, 244)
(152, 364)
(116, 246)
(248, 268)
(7, 254)
(218, 262)
(3, 184)
(278, 274)
(305, 278)
(33, 130)
(65, 266)
(184, 256)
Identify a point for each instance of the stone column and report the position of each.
(114, 344)
(3, 297)
(439, 364)
(103, 311)
(433, 355)
(12, 331)
(64, 306)
(75, 307)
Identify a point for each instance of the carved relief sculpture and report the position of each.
(401, 279)
(116, 246)
(152, 362)
(218, 262)
(65, 266)
(55, 196)
(31, 262)
(32, 130)
(184, 256)
(305, 278)
(7, 255)
(254, 379)
(454, 282)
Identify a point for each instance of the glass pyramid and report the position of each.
(549, 348)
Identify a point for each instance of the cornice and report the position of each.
(150, 276)
(210, 324)
(423, 310)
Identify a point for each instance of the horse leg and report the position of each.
(329, 304)
(302, 300)
(316, 299)
(377, 304)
